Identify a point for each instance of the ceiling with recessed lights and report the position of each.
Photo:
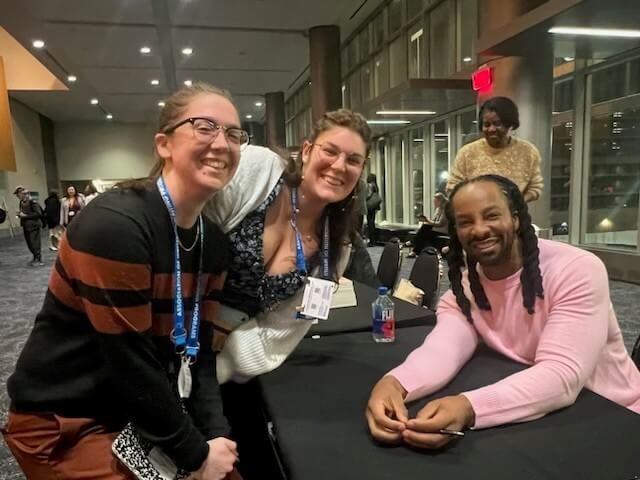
(129, 54)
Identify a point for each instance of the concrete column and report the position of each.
(324, 54)
(256, 132)
(528, 81)
(275, 125)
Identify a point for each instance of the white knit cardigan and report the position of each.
(260, 344)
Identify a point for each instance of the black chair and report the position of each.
(635, 353)
(425, 275)
(389, 266)
(441, 241)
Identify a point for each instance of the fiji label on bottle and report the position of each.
(384, 322)
(388, 324)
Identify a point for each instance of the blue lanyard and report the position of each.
(179, 333)
(301, 263)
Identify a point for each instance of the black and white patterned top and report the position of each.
(249, 287)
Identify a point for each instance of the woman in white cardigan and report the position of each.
(263, 286)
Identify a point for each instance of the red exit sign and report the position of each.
(482, 79)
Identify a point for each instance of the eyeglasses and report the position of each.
(206, 131)
(332, 153)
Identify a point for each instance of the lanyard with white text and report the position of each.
(190, 347)
(301, 263)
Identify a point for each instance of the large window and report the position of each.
(560, 185)
(467, 28)
(397, 181)
(441, 43)
(440, 156)
(608, 83)
(398, 61)
(363, 40)
(417, 57)
(381, 73)
(367, 82)
(614, 171)
(377, 31)
(395, 16)
(467, 128)
(354, 90)
(416, 149)
(352, 50)
(298, 116)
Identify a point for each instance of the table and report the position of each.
(316, 402)
(359, 318)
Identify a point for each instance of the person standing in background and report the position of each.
(374, 200)
(499, 152)
(90, 193)
(30, 215)
(52, 216)
(72, 203)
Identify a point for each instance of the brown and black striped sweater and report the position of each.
(100, 346)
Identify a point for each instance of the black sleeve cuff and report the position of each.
(191, 453)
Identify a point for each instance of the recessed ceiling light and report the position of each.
(94, 101)
(155, 82)
(467, 59)
(188, 83)
(145, 50)
(109, 116)
(38, 44)
(258, 104)
(596, 32)
(388, 122)
(161, 103)
(187, 51)
(72, 78)
(248, 116)
(405, 112)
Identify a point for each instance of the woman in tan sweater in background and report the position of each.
(499, 152)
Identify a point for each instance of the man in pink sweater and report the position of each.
(542, 303)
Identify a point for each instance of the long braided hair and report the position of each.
(530, 278)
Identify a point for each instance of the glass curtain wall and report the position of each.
(467, 130)
(614, 173)
(416, 152)
(439, 156)
(396, 183)
(409, 39)
(562, 130)
(417, 56)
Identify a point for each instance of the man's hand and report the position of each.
(452, 413)
(223, 454)
(386, 413)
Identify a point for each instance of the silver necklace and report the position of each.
(195, 241)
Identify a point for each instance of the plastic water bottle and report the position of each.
(384, 318)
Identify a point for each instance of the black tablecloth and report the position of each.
(359, 318)
(317, 399)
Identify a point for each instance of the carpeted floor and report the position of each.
(22, 289)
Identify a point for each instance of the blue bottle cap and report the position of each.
(382, 290)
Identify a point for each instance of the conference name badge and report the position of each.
(316, 300)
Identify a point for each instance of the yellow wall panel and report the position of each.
(7, 152)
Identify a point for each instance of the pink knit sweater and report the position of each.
(571, 341)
